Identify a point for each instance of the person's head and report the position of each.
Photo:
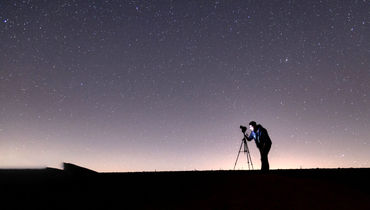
(252, 125)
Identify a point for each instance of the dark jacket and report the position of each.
(260, 136)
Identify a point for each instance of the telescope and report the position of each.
(244, 128)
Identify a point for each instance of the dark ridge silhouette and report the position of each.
(75, 169)
(80, 188)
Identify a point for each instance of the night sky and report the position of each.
(165, 85)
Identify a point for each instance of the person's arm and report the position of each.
(250, 137)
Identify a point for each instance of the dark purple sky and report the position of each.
(164, 85)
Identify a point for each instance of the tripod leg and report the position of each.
(246, 151)
(237, 157)
(249, 158)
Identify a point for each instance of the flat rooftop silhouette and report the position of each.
(78, 187)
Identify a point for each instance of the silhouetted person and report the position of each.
(263, 142)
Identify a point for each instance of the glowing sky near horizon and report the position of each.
(165, 85)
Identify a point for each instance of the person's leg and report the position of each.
(264, 157)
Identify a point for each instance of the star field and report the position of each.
(164, 85)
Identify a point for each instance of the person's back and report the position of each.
(263, 135)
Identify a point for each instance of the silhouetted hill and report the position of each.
(77, 187)
(75, 169)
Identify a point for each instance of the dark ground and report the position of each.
(78, 188)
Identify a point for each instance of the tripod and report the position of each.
(245, 150)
